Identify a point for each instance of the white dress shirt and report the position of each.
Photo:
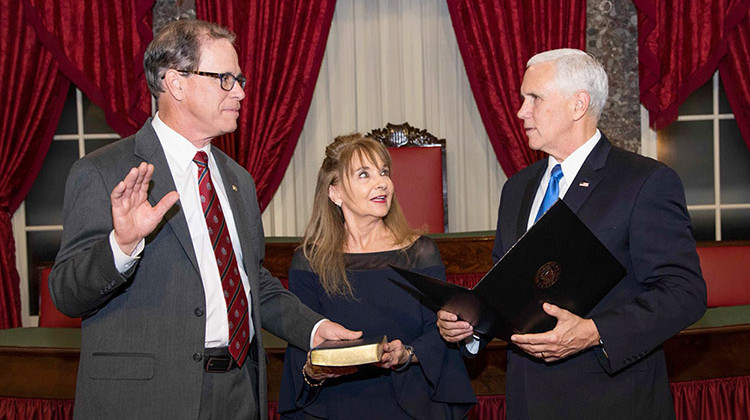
(570, 167)
(180, 152)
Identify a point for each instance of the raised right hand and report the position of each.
(133, 217)
(451, 328)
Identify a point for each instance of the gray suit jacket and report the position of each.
(143, 332)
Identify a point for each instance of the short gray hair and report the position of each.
(178, 46)
(576, 70)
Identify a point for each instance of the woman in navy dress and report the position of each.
(341, 271)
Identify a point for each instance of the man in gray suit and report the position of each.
(148, 223)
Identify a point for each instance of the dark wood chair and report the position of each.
(418, 174)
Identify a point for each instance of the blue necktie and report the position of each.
(553, 191)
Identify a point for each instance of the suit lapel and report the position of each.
(588, 176)
(148, 148)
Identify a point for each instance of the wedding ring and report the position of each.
(542, 353)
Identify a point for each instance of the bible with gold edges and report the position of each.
(348, 352)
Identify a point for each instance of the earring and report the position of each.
(338, 203)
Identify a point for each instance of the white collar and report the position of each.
(572, 164)
(177, 148)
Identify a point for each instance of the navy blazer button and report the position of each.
(198, 311)
(197, 357)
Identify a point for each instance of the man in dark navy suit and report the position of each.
(610, 364)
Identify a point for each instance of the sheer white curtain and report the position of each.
(393, 61)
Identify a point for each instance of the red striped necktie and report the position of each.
(231, 283)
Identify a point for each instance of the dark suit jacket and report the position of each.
(636, 207)
(143, 333)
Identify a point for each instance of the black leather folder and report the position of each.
(558, 261)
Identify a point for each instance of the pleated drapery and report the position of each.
(496, 38)
(280, 46)
(35, 408)
(99, 47)
(32, 94)
(681, 43)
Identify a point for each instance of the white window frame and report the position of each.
(20, 229)
(649, 140)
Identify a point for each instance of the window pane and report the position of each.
(700, 101)
(92, 145)
(93, 119)
(734, 164)
(704, 226)
(724, 107)
(68, 123)
(45, 200)
(42, 249)
(687, 147)
(735, 225)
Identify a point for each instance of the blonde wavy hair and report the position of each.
(325, 235)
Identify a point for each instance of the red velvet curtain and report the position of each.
(681, 43)
(12, 408)
(720, 398)
(733, 70)
(467, 280)
(708, 399)
(32, 95)
(489, 407)
(281, 46)
(714, 399)
(99, 46)
(496, 38)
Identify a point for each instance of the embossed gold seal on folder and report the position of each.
(547, 275)
(559, 260)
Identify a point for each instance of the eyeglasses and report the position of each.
(227, 79)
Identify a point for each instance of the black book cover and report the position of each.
(558, 261)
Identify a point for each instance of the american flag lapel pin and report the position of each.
(584, 184)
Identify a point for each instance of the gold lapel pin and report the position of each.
(234, 187)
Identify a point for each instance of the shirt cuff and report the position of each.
(472, 344)
(124, 262)
(315, 329)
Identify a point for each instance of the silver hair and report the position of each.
(576, 70)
